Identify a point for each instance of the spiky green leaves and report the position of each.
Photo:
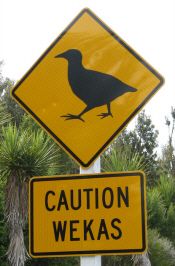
(25, 153)
(123, 160)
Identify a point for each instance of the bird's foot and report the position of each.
(103, 115)
(70, 117)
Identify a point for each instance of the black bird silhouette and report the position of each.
(92, 87)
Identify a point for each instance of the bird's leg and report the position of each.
(71, 116)
(109, 109)
(103, 115)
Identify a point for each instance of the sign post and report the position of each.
(93, 260)
(90, 261)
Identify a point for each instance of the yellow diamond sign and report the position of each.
(86, 87)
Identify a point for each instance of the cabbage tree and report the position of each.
(23, 154)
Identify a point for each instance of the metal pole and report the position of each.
(91, 260)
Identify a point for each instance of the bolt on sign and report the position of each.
(87, 214)
(86, 87)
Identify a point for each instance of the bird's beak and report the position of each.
(59, 55)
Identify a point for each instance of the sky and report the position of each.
(28, 27)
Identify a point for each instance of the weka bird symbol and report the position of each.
(92, 87)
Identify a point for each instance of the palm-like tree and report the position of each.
(23, 154)
(4, 116)
(121, 159)
(161, 208)
(162, 249)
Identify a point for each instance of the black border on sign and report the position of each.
(117, 38)
(79, 253)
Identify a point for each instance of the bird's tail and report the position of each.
(131, 89)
